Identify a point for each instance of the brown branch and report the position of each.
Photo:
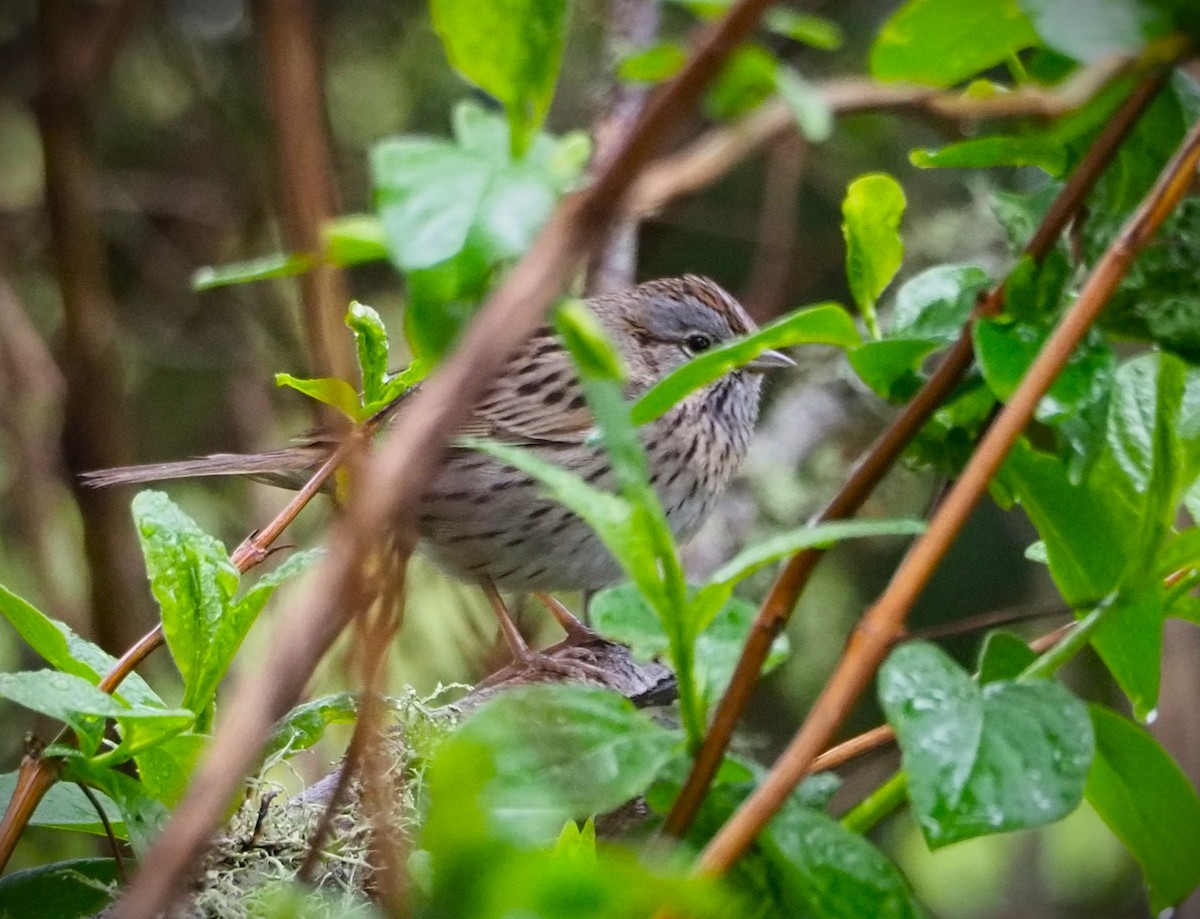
(394, 478)
(304, 167)
(874, 633)
(781, 600)
(712, 155)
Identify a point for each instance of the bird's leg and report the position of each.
(575, 629)
(512, 635)
(529, 658)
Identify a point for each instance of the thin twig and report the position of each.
(713, 154)
(781, 600)
(394, 478)
(113, 844)
(873, 635)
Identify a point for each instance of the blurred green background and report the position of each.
(180, 137)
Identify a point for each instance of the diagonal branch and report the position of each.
(779, 603)
(882, 622)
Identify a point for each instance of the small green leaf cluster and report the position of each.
(379, 389)
(205, 617)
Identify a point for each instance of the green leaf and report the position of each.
(195, 583)
(1045, 152)
(52, 640)
(510, 49)
(755, 557)
(1149, 803)
(652, 65)
(76, 702)
(396, 386)
(943, 42)
(1004, 657)
(806, 103)
(1129, 641)
(166, 768)
(354, 239)
(890, 366)
(436, 196)
(66, 807)
(1107, 530)
(305, 724)
(814, 31)
(1181, 551)
(268, 267)
(577, 841)
(563, 752)
(984, 760)
(1085, 535)
(371, 343)
(871, 213)
(328, 390)
(1089, 30)
(746, 81)
(937, 303)
(71, 889)
(66, 651)
(824, 870)
(827, 324)
(142, 815)
(1077, 403)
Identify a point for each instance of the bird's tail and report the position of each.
(286, 468)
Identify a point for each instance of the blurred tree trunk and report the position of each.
(95, 430)
(304, 172)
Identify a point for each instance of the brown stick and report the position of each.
(304, 167)
(882, 622)
(394, 477)
(781, 600)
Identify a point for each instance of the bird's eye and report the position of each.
(695, 343)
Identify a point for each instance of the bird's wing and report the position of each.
(537, 398)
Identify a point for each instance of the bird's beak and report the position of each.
(769, 360)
